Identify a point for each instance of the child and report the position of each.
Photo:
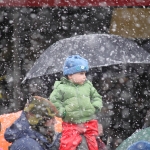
(77, 101)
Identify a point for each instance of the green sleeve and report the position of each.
(56, 98)
(96, 99)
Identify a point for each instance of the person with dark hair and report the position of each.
(77, 102)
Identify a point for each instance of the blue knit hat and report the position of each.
(75, 64)
(140, 145)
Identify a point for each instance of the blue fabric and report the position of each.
(75, 64)
(140, 145)
(24, 137)
(26, 143)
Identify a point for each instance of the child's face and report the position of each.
(78, 78)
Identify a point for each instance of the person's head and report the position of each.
(40, 114)
(75, 68)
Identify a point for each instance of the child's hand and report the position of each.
(64, 114)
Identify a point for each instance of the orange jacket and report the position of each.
(5, 121)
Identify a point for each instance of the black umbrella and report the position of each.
(99, 49)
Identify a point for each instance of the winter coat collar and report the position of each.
(64, 80)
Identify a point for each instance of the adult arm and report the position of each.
(96, 99)
(56, 98)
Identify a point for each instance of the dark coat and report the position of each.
(23, 137)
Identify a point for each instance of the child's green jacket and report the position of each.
(76, 103)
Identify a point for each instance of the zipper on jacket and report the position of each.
(78, 100)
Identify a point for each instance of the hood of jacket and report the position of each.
(66, 81)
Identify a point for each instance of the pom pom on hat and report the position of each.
(75, 64)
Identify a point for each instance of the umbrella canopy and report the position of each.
(99, 49)
(141, 135)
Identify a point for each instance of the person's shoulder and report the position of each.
(59, 83)
(89, 82)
